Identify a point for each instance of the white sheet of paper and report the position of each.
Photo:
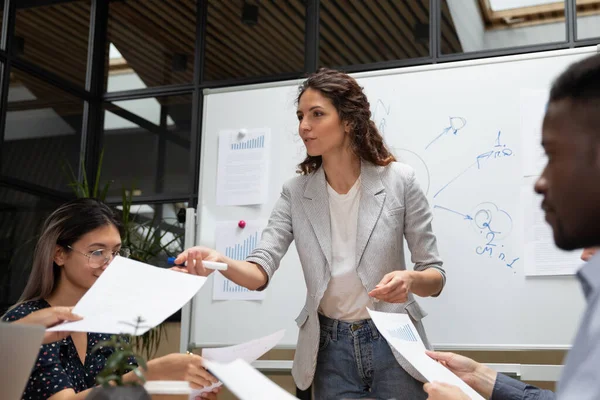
(246, 382)
(533, 107)
(542, 257)
(129, 289)
(391, 326)
(397, 326)
(243, 167)
(236, 243)
(249, 351)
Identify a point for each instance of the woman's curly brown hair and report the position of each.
(353, 107)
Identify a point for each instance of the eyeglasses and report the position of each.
(101, 257)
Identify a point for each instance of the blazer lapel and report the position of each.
(372, 197)
(316, 206)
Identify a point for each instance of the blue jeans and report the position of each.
(356, 362)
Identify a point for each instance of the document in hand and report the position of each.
(246, 382)
(129, 289)
(247, 351)
(402, 335)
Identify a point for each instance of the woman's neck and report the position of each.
(341, 170)
(65, 294)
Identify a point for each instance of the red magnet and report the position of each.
(242, 224)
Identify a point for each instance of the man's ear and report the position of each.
(60, 255)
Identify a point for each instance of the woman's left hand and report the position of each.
(212, 395)
(394, 287)
(180, 367)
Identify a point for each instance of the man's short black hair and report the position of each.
(580, 82)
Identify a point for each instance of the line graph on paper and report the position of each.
(236, 243)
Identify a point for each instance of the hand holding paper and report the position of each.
(401, 334)
(129, 289)
(444, 391)
(246, 382)
(478, 376)
(248, 352)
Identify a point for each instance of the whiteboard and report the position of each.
(485, 304)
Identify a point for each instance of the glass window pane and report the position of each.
(43, 132)
(21, 218)
(479, 27)
(55, 37)
(151, 43)
(362, 32)
(588, 19)
(147, 145)
(253, 38)
(1, 15)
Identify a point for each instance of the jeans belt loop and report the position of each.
(374, 330)
(334, 330)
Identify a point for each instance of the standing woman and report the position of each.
(348, 211)
(78, 242)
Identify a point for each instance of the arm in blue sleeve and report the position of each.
(507, 388)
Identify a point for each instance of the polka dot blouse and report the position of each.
(58, 366)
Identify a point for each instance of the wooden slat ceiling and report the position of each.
(533, 15)
(360, 32)
(351, 32)
(56, 38)
(152, 35)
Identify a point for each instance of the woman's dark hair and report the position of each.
(64, 226)
(353, 107)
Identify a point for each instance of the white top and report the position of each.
(346, 298)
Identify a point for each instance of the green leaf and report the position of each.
(138, 372)
(113, 361)
(85, 187)
(142, 363)
(98, 174)
(105, 380)
(104, 192)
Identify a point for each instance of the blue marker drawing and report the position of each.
(465, 216)
(481, 219)
(456, 124)
(513, 261)
(498, 144)
(488, 212)
(382, 123)
(484, 216)
(499, 151)
(453, 179)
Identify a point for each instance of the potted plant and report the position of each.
(122, 360)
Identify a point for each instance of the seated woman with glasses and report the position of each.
(78, 242)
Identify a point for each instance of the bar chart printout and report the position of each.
(404, 333)
(236, 243)
(243, 167)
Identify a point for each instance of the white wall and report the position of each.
(468, 23)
